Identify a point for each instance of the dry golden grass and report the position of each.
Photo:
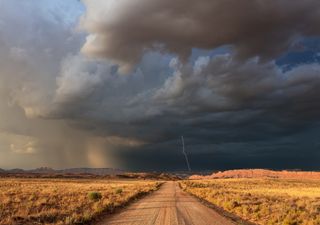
(263, 201)
(58, 201)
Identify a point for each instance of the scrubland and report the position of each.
(62, 201)
(262, 201)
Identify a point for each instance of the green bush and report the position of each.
(95, 196)
(119, 191)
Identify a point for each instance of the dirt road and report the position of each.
(167, 206)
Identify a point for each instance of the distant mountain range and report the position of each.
(48, 170)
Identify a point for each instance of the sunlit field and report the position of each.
(58, 201)
(263, 201)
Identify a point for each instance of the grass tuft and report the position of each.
(95, 196)
(119, 191)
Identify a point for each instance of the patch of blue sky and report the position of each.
(305, 52)
(62, 11)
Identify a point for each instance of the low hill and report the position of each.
(44, 170)
(86, 173)
(95, 171)
(48, 170)
(148, 176)
(15, 171)
(260, 173)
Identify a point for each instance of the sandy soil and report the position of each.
(167, 206)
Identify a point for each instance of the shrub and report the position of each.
(95, 196)
(290, 221)
(119, 191)
(230, 205)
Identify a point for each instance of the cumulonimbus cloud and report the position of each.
(77, 110)
(123, 30)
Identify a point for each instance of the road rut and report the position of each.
(167, 206)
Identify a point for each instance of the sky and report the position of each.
(116, 83)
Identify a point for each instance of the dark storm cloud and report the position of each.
(216, 100)
(68, 109)
(283, 152)
(225, 84)
(209, 86)
(124, 30)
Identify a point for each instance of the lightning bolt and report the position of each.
(185, 154)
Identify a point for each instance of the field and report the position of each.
(64, 201)
(262, 201)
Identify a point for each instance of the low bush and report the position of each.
(119, 191)
(95, 196)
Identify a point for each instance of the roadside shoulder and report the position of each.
(219, 210)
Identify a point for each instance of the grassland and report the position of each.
(263, 201)
(61, 201)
